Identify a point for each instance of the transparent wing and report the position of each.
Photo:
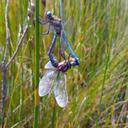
(68, 25)
(47, 80)
(59, 89)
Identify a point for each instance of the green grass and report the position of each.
(98, 89)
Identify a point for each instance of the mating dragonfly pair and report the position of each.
(54, 76)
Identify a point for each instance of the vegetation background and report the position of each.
(98, 89)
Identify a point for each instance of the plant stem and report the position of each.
(3, 93)
(36, 107)
(7, 29)
(3, 67)
(53, 117)
(18, 47)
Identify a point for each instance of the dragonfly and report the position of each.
(54, 77)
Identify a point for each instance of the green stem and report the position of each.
(104, 78)
(53, 117)
(36, 106)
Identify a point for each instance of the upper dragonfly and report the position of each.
(58, 27)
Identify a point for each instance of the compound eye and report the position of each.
(48, 14)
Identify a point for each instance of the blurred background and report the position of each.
(97, 89)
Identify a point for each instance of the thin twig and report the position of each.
(18, 46)
(7, 30)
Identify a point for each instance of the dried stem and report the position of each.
(18, 47)
(3, 94)
(7, 29)
(2, 64)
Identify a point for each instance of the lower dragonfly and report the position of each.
(55, 76)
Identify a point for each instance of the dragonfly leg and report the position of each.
(42, 21)
(51, 57)
(76, 62)
(47, 32)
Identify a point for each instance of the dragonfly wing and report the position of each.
(47, 80)
(66, 27)
(60, 91)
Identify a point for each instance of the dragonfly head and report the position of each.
(48, 14)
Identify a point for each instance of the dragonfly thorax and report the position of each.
(57, 25)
